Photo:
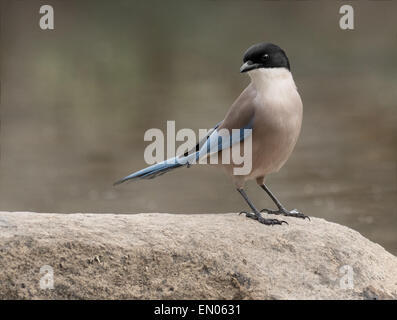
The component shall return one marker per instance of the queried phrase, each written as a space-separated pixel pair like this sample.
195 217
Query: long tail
158 169
203 148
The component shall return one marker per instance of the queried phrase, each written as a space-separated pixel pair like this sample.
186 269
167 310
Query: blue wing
217 142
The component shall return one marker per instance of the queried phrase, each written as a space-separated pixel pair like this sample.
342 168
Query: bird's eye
265 56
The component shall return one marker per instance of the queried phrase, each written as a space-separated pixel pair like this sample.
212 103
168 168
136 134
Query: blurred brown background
76 101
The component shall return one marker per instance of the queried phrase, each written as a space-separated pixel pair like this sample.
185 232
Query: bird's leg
281 210
256 214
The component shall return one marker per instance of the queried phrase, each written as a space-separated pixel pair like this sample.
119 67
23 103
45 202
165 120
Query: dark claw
251 215
293 213
269 222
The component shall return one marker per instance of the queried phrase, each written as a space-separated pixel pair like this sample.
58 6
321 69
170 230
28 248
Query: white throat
265 78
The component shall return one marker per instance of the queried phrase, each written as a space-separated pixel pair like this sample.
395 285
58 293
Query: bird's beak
249 65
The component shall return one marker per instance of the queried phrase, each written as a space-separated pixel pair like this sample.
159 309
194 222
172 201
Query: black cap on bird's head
264 55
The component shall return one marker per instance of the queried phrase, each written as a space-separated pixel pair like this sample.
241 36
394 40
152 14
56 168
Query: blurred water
76 101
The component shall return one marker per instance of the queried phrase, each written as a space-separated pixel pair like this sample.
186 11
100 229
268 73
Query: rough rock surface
208 256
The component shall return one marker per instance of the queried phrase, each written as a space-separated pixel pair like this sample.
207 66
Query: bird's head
264 55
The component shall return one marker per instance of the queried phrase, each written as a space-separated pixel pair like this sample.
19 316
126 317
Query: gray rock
207 256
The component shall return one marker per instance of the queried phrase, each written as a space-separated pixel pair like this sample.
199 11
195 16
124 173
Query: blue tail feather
211 144
156 170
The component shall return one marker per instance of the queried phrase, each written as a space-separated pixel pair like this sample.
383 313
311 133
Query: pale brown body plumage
274 104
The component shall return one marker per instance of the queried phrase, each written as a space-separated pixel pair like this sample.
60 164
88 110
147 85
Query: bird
268 112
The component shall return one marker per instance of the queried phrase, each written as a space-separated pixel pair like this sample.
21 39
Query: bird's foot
259 218
293 213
